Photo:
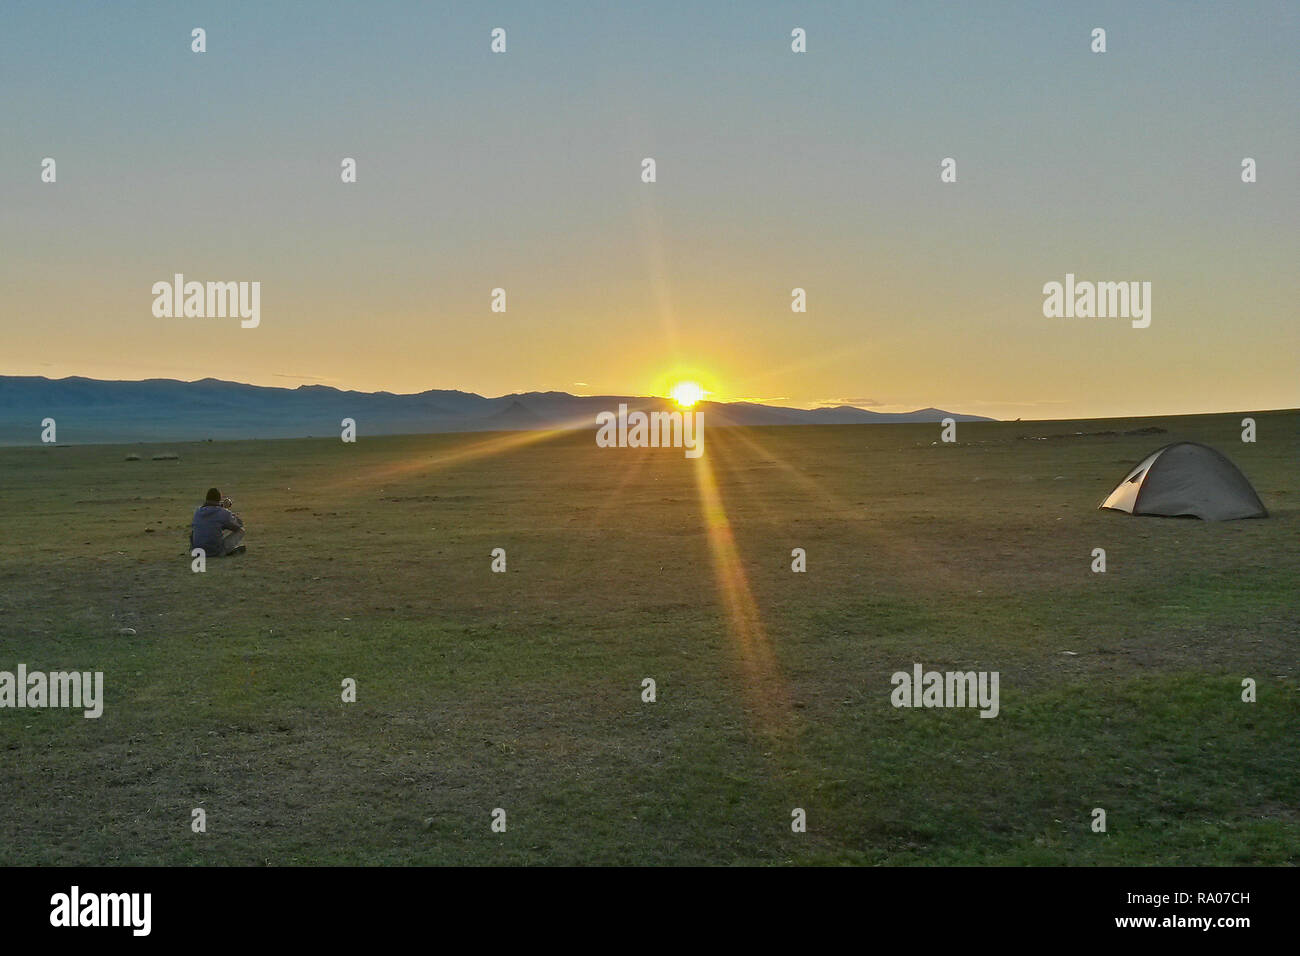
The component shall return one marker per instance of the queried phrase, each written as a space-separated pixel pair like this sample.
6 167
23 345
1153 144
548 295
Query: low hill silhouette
90 410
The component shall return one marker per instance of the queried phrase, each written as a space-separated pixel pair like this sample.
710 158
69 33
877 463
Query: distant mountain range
88 410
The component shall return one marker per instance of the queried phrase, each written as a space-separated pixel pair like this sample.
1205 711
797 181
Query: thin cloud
983 401
859 402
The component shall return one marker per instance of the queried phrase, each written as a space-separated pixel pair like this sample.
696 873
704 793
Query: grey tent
1186 478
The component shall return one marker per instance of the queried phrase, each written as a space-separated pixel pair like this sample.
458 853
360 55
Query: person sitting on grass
212 519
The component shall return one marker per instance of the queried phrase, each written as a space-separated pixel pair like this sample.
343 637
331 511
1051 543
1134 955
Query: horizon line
814 407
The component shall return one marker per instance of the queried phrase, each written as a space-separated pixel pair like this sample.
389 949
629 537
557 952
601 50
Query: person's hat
214 496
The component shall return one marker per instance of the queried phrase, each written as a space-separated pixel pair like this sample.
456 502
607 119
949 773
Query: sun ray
498 444
907 560
769 699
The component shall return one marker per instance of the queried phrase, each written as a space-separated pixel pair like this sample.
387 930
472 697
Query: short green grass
523 690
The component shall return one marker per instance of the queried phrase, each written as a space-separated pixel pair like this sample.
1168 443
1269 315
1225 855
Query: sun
686 394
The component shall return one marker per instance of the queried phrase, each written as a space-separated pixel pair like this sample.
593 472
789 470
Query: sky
775 170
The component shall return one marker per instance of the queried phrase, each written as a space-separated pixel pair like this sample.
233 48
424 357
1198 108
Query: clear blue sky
775 170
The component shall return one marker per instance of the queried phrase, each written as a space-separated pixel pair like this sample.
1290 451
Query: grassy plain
522 690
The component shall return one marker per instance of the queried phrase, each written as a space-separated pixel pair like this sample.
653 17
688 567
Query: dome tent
1186 478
